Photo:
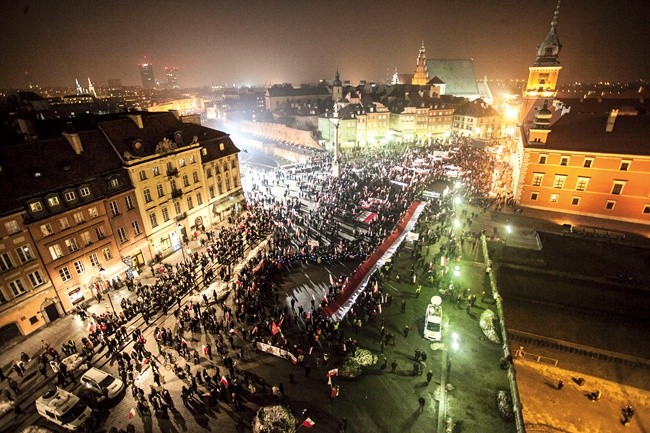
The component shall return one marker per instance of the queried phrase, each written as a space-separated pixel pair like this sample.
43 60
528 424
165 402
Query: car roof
95 374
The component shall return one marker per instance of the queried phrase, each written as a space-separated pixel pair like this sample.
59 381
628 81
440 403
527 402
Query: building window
588 162
625 165
537 179
190 205
199 199
136 228
94 261
554 198
143 175
121 234
208 173
46 229
646 209
78 217
85 238
56 252
153 220
17 287
227 184
36 279
79 267
84 192
192 160
36 206
617 188
575 201
24 254
177 208
564 160
186 180
12 227
53 201
92 212
211 189
72 245
582 183
147 195
610 204
195 177
155 170
559 181
99 231
233 163
181 162
165 214
129 202
69 196
64 273
234 182
5 262
534 195
107 253
113 183
115 210
63 223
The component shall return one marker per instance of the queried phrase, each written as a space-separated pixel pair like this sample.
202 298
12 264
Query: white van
63 408
433 320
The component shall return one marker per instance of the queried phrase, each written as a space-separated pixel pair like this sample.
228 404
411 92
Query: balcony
176 193
172 172
181 217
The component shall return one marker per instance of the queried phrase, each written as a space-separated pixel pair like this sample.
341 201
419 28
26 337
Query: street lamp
101 279
508 231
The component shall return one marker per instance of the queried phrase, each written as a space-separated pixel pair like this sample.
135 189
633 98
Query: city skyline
231 43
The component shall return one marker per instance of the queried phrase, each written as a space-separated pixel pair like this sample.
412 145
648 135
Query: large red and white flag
308 423
333 372
224 381
274 328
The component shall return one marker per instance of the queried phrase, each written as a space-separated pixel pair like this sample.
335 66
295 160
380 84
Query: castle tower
538 132
543 75
421 76
337 88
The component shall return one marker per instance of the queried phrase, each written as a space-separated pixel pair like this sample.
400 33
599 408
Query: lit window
46 229
85 238
56 252
588 162
36 279
575 201
192 159
36 206
92 212
78 217
610 204
64 273
79 267
554 198
107 253
69 196
564 160
24 253
84 192
617 188
5 262
53 201
582 183
155 170
12 227
559 181
72 245
94 261
625 165
17 287
534 196
147 195
113 183
181 162
537 179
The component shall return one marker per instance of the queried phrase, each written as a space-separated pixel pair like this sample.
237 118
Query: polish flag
224 381
131 413
333 372
308 423
274 328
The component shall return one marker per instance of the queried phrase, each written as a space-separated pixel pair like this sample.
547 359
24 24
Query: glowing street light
456 223
458 200
509 228
456 271
455 341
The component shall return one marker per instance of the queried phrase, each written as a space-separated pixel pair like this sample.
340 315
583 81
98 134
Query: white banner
277 352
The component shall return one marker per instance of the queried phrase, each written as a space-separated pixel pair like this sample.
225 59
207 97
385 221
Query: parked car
102 383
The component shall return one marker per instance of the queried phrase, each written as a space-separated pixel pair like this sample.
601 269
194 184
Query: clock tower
543 75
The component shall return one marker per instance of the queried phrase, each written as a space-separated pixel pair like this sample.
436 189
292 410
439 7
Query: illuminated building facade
421 75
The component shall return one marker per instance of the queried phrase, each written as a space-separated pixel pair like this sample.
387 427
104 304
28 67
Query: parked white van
63 408
433 320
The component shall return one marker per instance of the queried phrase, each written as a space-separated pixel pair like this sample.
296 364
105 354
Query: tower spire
421 76
549 50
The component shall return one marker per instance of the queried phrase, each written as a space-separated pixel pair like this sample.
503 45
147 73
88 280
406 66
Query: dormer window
221 146
114 183
53 201
69 196
36 206
38 174
84 191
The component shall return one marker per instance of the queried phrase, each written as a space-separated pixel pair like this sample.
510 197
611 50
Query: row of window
121 232
24 254
80 265
54 201
115 208
64 223
575 201
177 209
17 286
586 163
155 170
581 184
72 244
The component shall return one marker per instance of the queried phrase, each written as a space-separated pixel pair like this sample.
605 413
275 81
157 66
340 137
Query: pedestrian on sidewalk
429 376
403 306
422 402
406 331
418 290
560 385
393 366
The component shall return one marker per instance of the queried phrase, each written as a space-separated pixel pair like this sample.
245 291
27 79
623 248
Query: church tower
337 88
543 75
421 76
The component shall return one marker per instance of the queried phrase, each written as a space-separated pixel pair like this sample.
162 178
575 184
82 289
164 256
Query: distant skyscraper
172 77
146 73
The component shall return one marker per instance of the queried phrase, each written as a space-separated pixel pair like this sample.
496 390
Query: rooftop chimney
610 121
75 142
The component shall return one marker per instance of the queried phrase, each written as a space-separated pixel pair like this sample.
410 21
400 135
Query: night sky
258 42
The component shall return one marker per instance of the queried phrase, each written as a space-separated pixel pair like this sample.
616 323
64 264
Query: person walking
393 366
403 306
406 331
429 376
422 402
560 385
13 385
